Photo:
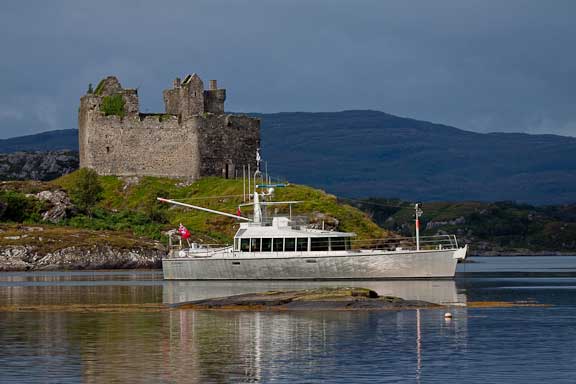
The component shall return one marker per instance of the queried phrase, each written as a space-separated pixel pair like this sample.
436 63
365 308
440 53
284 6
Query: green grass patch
50 238
17 207
99 87
132 205
113 105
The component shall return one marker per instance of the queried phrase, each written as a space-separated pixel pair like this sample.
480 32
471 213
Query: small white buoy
448 316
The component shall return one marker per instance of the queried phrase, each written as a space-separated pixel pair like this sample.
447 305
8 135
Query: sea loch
129 339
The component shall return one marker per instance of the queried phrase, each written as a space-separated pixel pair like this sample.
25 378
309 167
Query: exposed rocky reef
313 299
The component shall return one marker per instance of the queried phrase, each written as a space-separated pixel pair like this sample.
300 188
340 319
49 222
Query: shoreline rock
346 299
51 248
27 258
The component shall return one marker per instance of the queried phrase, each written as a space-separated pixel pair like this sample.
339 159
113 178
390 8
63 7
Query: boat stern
460 253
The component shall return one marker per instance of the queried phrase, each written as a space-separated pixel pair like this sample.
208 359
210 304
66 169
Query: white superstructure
278 248
282 249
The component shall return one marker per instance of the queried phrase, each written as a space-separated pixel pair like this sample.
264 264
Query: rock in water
313 299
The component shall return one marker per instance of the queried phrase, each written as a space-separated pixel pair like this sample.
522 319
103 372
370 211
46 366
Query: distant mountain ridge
371 153
60 140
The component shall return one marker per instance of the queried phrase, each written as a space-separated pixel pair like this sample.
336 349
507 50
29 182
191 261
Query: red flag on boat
183 231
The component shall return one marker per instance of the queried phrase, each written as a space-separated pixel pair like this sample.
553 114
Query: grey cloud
479 65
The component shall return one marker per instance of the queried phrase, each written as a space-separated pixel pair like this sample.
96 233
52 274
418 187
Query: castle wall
214 100
180 145
180 102
140 146
226 144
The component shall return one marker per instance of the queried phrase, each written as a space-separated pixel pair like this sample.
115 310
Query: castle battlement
191 139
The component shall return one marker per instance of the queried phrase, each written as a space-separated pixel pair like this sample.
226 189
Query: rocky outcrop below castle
24 248
37 165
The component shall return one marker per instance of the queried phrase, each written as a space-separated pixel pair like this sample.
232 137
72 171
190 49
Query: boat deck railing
295 221
427 243
437 242
196 250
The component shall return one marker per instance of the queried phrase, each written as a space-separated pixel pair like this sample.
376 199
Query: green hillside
128 205
495 228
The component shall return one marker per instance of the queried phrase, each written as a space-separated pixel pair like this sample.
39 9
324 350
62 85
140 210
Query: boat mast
418 213
257 207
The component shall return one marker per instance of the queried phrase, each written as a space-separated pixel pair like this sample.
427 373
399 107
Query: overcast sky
503 65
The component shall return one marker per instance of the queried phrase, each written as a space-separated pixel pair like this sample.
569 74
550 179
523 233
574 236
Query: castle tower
193 139
214 98
188 97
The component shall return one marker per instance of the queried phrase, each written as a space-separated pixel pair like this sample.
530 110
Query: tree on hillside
86 190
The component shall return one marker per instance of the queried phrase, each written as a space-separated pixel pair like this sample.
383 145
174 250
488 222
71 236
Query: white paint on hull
421 264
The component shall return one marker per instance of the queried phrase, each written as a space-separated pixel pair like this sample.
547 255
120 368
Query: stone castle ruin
192 139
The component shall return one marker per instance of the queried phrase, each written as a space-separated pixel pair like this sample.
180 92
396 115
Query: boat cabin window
255 245
289 244
245 245
266 245
338 244
278 245
319 244
302 244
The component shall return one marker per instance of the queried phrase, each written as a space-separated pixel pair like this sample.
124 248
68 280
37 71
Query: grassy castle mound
128 220
130 203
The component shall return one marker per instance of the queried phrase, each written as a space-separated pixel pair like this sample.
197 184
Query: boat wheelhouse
280 236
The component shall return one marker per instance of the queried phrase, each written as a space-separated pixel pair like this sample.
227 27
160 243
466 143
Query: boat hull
415 264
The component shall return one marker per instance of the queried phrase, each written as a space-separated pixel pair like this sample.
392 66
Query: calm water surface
480 345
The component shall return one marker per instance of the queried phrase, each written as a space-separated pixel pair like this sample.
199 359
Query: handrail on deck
427 243
408 243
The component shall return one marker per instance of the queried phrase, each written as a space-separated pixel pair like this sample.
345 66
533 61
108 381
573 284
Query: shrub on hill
17 207
85 190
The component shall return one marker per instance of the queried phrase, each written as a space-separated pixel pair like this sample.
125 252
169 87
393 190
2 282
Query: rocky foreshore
24 258
25 248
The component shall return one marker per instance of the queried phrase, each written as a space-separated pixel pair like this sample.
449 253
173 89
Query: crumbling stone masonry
194 138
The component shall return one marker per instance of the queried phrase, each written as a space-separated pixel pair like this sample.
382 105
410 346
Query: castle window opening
107 149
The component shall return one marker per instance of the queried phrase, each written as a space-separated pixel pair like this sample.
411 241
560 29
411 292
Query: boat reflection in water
186 346
434 291
322 346
259 341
